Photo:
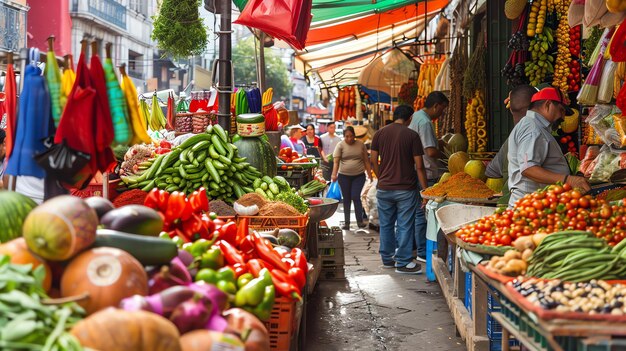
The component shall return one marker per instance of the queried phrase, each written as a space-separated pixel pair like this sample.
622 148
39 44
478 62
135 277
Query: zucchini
219 147
200 146
217 129
268 180
281 181
274 188
148 250
213 153
194 140
212 171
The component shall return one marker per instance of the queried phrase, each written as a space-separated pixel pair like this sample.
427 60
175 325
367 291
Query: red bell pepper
208 223
288 261
247 245
194 227
228 232
243 229
267 253
165 144
298 277
285 286
231 254
163 198
175 206
199 201
300 260
187 210
152 200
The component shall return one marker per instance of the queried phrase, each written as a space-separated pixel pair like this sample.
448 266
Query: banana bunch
138 123
540 64
537 17
563 56
267 96
427 77
144 111
157 118
476 124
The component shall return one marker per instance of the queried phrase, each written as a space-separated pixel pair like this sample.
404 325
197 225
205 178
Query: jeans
396 241
351 187
420 224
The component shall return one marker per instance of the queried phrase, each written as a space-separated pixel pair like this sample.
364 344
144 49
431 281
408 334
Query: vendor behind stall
517 102
535 158
312 142
292 139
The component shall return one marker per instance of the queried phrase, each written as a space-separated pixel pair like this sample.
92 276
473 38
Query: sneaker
361 225
389 265
420 259
411 268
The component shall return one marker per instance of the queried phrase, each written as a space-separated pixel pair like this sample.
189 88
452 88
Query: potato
526 254
537 238
524 242
512 254
514 267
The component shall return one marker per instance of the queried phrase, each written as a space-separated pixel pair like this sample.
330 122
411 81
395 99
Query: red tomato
505 240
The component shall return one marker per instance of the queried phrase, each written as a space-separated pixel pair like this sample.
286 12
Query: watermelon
14 208
258 152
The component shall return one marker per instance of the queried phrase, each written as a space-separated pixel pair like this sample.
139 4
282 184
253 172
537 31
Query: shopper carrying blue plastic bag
334 192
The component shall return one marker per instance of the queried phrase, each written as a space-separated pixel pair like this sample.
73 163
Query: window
139 6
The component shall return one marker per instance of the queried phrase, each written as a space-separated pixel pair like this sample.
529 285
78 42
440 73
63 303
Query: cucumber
200 146
267 179
274 188
219 165
214 155
264 186
257 182
281 181
217 129
225 160
148 250
219 147
194 140
212 171
260 192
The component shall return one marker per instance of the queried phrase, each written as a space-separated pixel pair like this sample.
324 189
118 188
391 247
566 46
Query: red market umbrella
10 102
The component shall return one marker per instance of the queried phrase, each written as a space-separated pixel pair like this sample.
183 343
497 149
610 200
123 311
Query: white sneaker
411 268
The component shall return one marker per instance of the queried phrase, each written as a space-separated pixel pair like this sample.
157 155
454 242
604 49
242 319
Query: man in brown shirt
398 171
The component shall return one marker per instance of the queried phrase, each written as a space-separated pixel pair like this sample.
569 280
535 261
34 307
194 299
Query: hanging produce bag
278 18
65 164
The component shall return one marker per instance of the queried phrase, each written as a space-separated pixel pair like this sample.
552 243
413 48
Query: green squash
14 208
258 152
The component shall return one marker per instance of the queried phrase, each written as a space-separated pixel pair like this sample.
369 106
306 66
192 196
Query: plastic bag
373 203
605 90
606 164
364 192
619 122
601 120
66 165
334 192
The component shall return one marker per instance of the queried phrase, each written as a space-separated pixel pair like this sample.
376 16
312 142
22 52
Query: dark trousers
351 187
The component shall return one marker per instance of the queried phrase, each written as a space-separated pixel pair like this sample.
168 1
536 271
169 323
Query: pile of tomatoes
555 208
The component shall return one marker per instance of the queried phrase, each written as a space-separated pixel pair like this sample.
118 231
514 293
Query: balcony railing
12 28
110 11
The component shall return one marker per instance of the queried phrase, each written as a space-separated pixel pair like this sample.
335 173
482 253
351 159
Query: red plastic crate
296 223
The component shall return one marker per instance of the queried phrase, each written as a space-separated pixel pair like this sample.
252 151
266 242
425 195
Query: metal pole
261 68
225 82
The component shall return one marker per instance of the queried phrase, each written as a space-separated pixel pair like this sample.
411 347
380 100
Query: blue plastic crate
496 344
468 292
494 329
492 303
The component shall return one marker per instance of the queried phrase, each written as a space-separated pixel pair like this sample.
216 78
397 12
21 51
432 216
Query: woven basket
514 8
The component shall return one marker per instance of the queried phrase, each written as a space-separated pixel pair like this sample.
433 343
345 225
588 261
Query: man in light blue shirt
535 158
422 122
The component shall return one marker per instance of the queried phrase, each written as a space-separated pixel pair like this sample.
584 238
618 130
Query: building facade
13 25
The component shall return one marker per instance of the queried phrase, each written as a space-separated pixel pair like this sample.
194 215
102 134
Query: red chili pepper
208 223
289 262
298 277
228 232
247 245
203 200
163 198
243 229
255 266
240 269
285 286
231 254
298 257
175 206
152 200
267 253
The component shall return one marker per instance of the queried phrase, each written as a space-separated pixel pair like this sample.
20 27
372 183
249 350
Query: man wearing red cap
535 158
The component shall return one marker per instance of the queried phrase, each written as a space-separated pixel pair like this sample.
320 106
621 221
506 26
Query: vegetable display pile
577 256
593 297
555 208
541 61
460 185
206 159
476 123
25 322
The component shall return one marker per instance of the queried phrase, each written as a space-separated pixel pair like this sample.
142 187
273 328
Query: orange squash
19 253
114 329
204 340
106 275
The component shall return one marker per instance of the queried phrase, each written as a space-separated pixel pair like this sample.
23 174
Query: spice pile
130 197
221 208
461 185
252 199
278 209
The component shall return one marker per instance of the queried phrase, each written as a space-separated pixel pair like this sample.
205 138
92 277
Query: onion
245 210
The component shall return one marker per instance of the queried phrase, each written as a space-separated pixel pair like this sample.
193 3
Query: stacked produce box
331 253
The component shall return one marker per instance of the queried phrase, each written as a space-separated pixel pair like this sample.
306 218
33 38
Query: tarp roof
348 34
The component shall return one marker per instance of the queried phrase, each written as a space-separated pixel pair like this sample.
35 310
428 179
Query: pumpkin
204 340
114 329
19 253
60 228
240 320
259 153
106 275
14 208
